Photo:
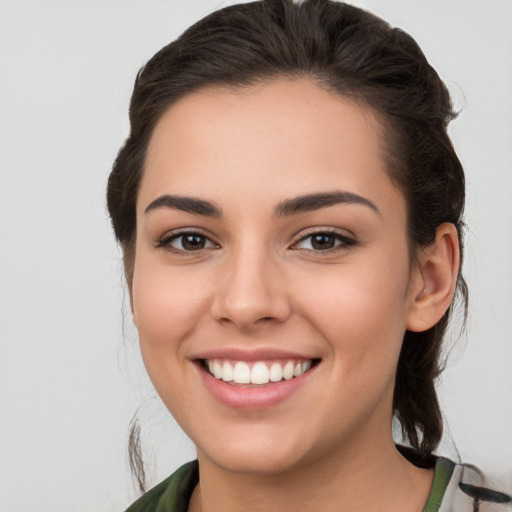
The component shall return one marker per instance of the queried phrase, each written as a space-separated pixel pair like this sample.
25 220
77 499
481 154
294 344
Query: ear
434 279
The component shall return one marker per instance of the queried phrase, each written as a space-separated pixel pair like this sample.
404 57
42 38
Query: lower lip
261 397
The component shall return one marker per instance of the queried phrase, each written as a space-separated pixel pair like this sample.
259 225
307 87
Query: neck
362 479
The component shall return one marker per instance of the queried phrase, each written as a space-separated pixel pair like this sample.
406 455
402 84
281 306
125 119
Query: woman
290 211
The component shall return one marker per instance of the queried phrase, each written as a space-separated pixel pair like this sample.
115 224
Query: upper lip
256 354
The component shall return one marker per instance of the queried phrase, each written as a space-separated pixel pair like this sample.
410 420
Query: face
271 287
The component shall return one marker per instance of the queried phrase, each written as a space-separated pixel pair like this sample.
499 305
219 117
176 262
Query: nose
252 292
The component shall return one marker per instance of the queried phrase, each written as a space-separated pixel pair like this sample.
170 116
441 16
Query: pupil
323 242
193 242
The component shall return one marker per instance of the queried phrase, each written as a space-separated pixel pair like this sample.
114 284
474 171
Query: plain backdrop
70 376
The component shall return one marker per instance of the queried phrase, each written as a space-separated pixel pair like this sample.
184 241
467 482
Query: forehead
297 136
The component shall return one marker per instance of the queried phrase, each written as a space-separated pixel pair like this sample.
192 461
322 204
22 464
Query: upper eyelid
172 235
176 233
345 240
323 230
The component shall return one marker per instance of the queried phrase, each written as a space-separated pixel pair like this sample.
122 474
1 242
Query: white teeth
261 372
305 366
217 370
242 374
227 372
288 370
276 372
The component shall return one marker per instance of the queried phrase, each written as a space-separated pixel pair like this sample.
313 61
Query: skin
260 284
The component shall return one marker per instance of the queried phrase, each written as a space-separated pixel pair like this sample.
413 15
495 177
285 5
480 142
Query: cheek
167 307
361 312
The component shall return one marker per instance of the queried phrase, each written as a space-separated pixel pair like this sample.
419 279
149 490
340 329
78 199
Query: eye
186 242
323 241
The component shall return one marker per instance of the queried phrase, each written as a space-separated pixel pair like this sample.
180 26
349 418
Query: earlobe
435 279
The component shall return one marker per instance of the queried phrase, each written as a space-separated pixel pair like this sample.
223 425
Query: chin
259 453
254 462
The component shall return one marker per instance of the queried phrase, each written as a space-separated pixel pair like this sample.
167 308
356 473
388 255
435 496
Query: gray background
68 382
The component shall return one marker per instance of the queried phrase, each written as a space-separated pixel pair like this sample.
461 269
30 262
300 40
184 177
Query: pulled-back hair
357 55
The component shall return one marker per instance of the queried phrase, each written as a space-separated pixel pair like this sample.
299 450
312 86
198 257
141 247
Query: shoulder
458 487
470 490
170 495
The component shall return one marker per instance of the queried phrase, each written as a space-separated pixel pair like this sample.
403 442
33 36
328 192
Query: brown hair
355 54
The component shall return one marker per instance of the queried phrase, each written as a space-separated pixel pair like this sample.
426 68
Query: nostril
264 320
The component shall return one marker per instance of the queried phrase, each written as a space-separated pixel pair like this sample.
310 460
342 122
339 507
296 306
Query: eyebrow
317 201
186 204
288 207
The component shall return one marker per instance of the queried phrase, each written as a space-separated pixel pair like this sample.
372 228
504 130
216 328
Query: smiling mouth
257 373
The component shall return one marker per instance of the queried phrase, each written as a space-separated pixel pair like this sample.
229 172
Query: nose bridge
250 290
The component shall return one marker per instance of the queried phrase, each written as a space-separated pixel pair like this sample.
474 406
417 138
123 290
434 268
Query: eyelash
166 240
344 241
341 241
